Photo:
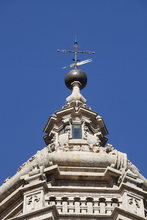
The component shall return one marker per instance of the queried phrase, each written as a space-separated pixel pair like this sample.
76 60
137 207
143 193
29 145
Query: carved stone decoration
133 203
33 201
76 97
84 205
92 140
63 139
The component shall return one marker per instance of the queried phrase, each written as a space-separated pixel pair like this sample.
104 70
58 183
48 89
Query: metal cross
76 51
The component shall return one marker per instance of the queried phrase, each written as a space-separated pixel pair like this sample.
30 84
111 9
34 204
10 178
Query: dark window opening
76 131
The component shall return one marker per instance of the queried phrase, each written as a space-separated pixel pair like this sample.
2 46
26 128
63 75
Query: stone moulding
46 159
82 159
94 205
47 213
51 213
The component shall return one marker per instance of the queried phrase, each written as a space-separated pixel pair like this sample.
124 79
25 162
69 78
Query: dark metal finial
76 51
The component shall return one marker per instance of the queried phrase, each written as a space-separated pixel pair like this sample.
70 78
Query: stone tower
77 175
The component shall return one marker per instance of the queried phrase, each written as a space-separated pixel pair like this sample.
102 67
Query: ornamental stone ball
76 75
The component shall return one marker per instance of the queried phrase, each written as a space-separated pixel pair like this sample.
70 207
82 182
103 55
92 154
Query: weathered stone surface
75 178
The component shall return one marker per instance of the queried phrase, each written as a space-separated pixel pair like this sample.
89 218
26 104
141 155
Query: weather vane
76 60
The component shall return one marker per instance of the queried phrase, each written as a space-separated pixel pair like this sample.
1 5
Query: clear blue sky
32 81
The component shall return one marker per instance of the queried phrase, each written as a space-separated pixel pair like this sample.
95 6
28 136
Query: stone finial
76 96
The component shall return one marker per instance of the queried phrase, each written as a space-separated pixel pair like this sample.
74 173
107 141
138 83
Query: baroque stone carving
32 201
134 204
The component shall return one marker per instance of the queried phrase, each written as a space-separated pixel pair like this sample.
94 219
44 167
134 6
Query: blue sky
32 81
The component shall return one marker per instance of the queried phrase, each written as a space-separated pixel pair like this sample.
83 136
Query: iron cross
76 51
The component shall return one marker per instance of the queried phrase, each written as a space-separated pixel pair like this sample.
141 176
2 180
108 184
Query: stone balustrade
87 205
